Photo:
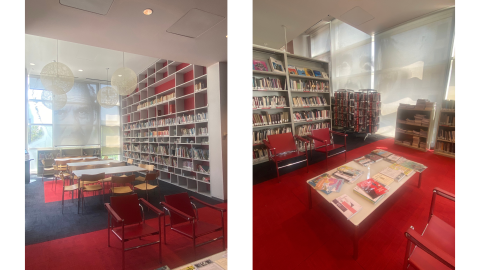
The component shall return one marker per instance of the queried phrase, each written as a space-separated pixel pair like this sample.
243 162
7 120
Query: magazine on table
347 206
381 152
348 173
362 193
405 170
373 157
383 179
329 184
364 161
413 165
372 188
392 158
317 179
392 173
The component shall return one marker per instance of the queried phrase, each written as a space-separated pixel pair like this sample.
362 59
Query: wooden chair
48 167
151 176
60 167
322 141
70 188
90 183
184 218
149 168
121 190
435 247
282 147
126 223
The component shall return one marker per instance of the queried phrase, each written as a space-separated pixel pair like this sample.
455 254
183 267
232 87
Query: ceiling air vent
95 6
194 23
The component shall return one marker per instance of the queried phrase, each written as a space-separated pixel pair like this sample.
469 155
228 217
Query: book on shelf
265 118
301 71
325 75
445 147
292 70
309 72
347 173
448 105
260 65
269 102
308 86
392 173
347 206
317 74
364 161
276 65
267 84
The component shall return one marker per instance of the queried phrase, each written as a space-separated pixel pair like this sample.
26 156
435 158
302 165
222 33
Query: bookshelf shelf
446 129
188 83
415 114
295 127
413 147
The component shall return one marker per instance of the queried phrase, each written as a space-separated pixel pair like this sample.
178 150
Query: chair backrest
127 207
117 164
123 179
151 176
180 201
282 142
150 168
92 177
47 163
62 162
142 165
130 161
105 157
323 134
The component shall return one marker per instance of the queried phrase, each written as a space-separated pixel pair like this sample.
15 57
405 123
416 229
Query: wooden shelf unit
451 113
263 54
57 152
403 114
143 113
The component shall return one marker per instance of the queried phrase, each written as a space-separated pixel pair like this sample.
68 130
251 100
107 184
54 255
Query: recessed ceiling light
226 36
120 75
147 11
32 64
80 70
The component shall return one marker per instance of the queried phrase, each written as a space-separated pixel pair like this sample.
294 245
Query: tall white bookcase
263 54
161 124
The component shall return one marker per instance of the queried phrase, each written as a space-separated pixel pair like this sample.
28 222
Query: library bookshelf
50 154
165 122
445 126
409 127
290 93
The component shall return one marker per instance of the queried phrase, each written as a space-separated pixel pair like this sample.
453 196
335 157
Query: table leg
309 191
78 198
355 242
419 179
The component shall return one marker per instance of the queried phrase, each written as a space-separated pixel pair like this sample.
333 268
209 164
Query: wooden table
215 257
360 221
107 170
80 158
88 163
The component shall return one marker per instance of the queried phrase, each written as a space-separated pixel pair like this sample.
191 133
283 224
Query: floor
287 235
56 241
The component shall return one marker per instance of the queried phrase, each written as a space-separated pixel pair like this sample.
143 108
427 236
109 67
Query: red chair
127 222
184 218
323 142
282 147
435 247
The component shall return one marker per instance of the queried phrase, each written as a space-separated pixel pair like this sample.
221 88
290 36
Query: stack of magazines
371 190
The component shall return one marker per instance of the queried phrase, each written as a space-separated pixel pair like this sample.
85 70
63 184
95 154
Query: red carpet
52 195
90 251
287 235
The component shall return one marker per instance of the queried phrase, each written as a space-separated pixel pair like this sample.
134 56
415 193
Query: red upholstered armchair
126 222
282 147
323 142
435 247
184 218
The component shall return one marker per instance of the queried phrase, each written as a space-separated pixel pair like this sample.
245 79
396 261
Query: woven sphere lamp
58 102
107 97
124 81
57 77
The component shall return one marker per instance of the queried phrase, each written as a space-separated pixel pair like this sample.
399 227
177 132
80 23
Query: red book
372 188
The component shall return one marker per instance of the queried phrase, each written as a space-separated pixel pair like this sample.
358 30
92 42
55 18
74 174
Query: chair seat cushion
140 178
329 148
135 231
288 156
121 190
145 186
441 235
201 228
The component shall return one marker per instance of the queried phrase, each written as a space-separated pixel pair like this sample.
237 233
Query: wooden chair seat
140 178
121 190
71 188
91 188
49 169
89 182
145 187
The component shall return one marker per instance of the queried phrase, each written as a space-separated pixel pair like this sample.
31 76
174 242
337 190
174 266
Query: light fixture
57 77
32 64
124 80
148 11
107 97
226 36
80 70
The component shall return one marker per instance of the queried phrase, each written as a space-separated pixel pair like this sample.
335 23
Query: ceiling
126 28
92 60
298 16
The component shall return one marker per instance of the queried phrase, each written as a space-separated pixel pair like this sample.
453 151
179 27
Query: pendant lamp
107 97
124 80
57 77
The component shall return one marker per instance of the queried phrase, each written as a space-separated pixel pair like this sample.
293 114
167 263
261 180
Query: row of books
305 116
412 142
259 153
269 101
447 120
445 147
187 165
275 65
202 131
448 135
267 84
304 130
200 85
448 104
166 122
419 132
157 100
187 132
259 136
309 101
203 168
422 104
293 70
265 118
309 86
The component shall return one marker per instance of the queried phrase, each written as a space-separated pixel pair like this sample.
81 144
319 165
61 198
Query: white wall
217 128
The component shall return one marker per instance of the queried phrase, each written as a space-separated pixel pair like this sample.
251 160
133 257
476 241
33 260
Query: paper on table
222 262
207 265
